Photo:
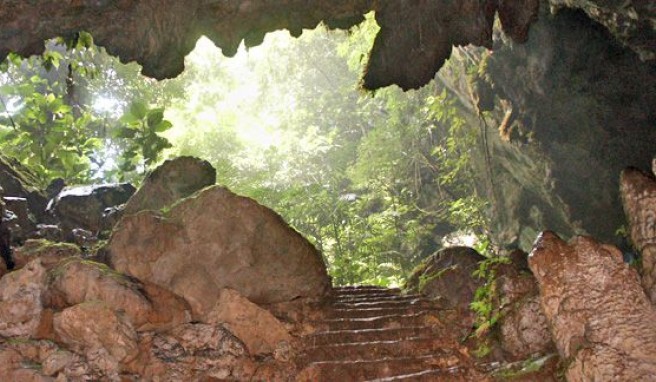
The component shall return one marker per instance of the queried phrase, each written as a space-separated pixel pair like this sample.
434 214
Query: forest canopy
377 181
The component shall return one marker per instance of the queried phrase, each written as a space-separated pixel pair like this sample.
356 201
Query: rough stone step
368 288
364 292
411 347
384 304
363 335
374 312
388 321
373 298
380 368
451 374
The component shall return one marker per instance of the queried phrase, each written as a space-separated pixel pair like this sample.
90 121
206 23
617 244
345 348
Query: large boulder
49 253
523 327
18 181
148 307
638 191
105 337
447 275
194 352
258 329
601 320
173 180
217 240
21 307
83 206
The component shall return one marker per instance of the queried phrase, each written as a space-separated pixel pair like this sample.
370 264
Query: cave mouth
371 179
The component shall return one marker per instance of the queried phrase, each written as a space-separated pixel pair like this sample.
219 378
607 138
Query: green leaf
155 116
163 126
125 132
138 109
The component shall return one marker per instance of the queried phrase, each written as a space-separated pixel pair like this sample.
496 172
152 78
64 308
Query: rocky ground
183 280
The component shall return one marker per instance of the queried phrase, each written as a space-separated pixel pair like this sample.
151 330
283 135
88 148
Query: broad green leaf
138 109
155 116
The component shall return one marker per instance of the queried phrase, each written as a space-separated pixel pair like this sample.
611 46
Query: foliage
140 127
371 179
484 304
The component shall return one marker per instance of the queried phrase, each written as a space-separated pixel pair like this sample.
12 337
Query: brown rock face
149 307
214 240
448 275
193 352
20 301
600 317
49 253
260 331
106 338
173 180
638 191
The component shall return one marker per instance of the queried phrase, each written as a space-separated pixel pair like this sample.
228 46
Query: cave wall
570 109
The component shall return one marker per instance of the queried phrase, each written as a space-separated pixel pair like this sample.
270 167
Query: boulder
173 180
523 328
102 335
258 329
49 253
22 225
5 241
83 206
217 240
602 321
193 352
447 275
148 307
21 309
638 190
18 181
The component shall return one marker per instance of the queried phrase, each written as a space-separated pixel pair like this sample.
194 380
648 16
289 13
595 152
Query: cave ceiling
415 38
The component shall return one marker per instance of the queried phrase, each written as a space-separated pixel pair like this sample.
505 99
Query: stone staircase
368 333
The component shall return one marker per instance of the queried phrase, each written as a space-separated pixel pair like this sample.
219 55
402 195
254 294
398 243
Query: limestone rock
20 300
447 275
49 253
638 190
258 329
173 180
23 225
148 307
601 320
18 181
193 352
214 240
523 328
83 206
105 337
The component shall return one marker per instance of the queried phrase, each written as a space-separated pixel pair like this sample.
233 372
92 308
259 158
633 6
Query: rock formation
600 318
638 191
216 239
447 275
175 179
83 206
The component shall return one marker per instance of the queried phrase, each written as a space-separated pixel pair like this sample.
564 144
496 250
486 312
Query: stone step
452 374
378 368
363 335
364 288
373 312
373 298
383 304
387 321
410 347
365 292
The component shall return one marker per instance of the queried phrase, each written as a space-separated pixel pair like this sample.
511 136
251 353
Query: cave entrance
376 180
